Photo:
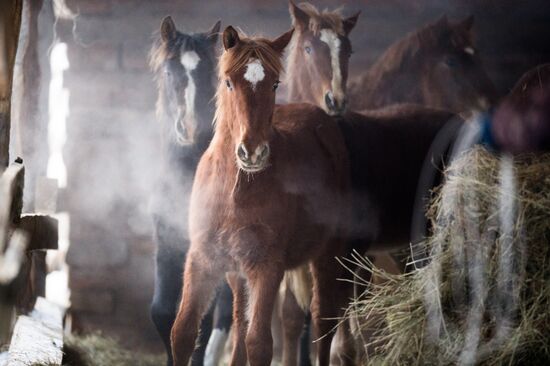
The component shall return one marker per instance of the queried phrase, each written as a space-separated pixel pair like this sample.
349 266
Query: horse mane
237 57
407 48
323 19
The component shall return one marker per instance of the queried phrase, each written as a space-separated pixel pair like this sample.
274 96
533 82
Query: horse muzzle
334 107
253 162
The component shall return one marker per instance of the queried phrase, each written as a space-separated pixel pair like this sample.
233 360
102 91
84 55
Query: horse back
304 127
388 148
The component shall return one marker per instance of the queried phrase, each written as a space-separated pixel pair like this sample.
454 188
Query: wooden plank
12 243
11 202
4 359
42 230
10 25
38 338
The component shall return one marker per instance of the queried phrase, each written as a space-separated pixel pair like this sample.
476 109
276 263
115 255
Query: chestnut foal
270 194
318 57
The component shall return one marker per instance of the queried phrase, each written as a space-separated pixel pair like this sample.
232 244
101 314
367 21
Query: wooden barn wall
111 155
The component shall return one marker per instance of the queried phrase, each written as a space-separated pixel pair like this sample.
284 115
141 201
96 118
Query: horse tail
300 283
439 155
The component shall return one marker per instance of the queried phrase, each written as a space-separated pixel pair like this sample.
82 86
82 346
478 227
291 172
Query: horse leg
329 296
168 282
293 323
201 281
305 342
240 323
264 280
343 347
222 325
199 354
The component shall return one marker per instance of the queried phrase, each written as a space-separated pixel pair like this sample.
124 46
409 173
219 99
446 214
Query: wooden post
10 24
29 117
12 243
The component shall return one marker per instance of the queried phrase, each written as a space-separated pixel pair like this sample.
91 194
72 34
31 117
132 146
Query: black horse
184 67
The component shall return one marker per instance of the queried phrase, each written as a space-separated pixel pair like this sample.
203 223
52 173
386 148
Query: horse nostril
329 100
242 153
264 152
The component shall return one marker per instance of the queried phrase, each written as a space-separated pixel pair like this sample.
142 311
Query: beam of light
57 281
58 113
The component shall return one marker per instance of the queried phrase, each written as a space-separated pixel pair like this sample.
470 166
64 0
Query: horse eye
276 85
228 84
308 49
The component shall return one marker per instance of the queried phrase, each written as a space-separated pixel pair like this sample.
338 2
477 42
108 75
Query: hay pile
484 296
96 349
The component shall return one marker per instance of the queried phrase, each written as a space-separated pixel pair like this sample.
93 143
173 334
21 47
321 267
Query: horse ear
230 38
281 42
350 22
467 23
168 30
212 34
300 19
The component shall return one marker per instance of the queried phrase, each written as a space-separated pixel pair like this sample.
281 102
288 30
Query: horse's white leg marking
215 347
331 39
254 72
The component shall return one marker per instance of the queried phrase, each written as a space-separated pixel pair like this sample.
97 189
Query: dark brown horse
437 66
318 58
522 121
184 68
270 194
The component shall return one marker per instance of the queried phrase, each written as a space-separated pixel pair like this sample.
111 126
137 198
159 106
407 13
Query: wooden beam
42 231
38 338
29 118
10 25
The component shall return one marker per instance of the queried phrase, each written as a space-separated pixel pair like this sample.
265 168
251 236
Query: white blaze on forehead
254 72
189 60
469 50
329 37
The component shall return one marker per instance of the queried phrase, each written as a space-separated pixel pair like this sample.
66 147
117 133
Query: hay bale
95 349
484 297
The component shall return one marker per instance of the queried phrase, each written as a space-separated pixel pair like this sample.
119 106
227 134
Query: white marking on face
329 37
469 50
190 60
254 72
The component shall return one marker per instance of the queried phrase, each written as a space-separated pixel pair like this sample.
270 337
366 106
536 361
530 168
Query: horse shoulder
206 197
306 122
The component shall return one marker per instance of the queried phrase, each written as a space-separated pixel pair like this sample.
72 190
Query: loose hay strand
489 248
